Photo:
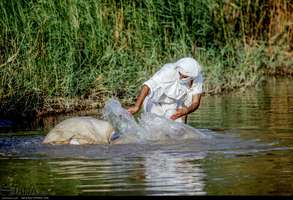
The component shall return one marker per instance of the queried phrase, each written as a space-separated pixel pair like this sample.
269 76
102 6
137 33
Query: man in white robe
173 92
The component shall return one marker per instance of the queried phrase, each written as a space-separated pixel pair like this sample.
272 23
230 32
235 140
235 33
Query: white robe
167 94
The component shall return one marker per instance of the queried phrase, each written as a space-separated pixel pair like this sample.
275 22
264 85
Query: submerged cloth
168 92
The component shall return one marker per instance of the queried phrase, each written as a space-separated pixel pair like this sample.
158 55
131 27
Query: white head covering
167 80
188 67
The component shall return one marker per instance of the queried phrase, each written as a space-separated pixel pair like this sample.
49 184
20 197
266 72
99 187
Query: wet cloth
167 92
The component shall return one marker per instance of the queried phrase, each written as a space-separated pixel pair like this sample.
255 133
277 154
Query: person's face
183 77
186 80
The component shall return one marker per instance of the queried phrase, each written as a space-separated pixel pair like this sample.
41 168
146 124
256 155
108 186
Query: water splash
149 127
123 122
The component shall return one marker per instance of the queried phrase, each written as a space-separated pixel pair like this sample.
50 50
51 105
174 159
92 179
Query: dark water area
251 153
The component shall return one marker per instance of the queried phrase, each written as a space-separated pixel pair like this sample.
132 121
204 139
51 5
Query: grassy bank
61 56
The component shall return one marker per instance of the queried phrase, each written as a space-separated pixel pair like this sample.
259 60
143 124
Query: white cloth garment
189 67
167 92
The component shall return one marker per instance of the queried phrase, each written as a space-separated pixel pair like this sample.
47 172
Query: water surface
252 154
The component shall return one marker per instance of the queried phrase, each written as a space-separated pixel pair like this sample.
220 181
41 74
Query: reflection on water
269 107
182 176
143 176
251 153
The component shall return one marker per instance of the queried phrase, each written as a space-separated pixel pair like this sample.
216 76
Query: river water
251 155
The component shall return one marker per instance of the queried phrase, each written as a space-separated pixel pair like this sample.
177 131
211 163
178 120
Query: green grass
61 54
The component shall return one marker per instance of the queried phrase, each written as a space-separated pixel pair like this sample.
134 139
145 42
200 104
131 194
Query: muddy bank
280 71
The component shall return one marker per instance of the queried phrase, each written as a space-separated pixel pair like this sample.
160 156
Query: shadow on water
250 154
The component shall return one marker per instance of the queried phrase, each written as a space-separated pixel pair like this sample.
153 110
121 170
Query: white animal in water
80 130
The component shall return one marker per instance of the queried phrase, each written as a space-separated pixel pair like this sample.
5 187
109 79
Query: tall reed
93 49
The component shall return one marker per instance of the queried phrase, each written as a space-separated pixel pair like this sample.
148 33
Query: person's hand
133 109
179 113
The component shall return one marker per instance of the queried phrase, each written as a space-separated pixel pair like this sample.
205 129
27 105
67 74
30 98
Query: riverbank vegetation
62 56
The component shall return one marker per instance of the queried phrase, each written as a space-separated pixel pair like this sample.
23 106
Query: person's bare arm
186 110
143 93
